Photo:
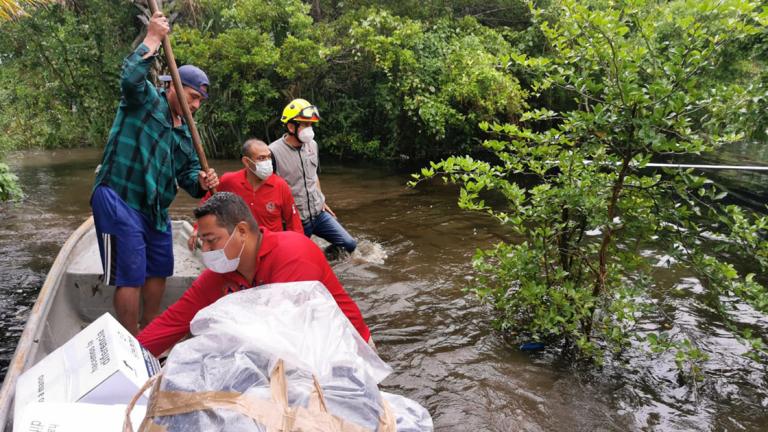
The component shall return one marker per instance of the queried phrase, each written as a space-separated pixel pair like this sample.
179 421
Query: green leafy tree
637 72
62 66
495 13
386 86
9 188
253 51
420 87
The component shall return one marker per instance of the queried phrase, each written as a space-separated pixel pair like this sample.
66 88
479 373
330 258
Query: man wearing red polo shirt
267 195
240 255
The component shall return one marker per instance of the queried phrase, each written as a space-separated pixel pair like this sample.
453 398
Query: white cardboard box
75 417
103 364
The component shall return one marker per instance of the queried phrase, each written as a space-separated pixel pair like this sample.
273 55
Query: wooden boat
73 296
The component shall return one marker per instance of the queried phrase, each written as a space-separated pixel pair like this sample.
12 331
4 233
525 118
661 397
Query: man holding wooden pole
150 151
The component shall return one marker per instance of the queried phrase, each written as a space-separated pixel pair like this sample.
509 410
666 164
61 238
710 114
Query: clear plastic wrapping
299 322
411 417
240 339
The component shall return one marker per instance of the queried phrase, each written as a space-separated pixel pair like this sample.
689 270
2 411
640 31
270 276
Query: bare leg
152 294
126 303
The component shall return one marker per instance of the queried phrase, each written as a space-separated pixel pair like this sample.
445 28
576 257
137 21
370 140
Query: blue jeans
328 228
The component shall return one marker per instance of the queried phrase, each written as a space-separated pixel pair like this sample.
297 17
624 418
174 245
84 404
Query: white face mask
306 135
217 260
263 169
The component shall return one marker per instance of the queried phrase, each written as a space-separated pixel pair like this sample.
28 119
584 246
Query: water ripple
408 279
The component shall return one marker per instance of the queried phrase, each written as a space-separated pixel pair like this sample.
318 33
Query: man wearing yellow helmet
296 160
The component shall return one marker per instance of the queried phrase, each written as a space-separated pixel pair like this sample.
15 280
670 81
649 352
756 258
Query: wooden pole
179 87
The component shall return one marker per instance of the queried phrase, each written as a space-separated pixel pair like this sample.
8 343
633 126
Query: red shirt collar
270 181
268 242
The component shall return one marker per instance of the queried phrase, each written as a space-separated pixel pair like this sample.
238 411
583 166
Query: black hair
229 210
250 142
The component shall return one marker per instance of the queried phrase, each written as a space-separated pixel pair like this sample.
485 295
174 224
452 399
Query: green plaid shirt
146 159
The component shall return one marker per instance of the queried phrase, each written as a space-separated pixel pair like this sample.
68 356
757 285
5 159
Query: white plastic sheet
299 322
411 417
239 339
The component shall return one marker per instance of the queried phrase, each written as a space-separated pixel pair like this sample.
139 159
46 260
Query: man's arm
134 85
346 304
157 29
189 174
173 324
192 240
309 265
290 214
325 203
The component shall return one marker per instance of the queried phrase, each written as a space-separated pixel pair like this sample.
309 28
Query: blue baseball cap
193 77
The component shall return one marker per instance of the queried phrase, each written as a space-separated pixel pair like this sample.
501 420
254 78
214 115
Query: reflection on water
749 187
408 278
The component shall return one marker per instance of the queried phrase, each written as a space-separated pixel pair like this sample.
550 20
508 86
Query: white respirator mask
217 260
306 135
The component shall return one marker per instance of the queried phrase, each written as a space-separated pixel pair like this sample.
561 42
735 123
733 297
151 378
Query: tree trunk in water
606 243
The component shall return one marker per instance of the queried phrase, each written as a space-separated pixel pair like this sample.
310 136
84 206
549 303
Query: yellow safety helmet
300 110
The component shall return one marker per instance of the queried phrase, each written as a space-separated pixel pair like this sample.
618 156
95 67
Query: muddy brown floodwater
408 279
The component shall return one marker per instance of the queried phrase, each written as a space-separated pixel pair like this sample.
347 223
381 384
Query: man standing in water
296 160
149 153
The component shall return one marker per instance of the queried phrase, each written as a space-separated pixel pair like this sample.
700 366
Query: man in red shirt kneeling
240 255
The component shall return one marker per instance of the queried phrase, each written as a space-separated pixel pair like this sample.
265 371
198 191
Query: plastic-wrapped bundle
207 365
299 322
410 416
227 376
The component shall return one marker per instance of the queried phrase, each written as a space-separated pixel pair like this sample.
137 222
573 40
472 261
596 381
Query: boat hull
73 295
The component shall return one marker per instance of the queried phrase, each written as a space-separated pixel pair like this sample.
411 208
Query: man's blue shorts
131 248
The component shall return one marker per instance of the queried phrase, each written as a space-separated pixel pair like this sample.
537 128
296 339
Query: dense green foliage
9 189
429 84
60 68
392 80
647 82
388 86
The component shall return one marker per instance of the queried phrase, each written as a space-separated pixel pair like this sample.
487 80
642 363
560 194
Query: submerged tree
640 76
